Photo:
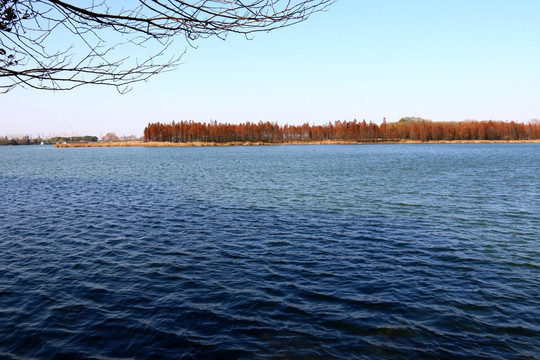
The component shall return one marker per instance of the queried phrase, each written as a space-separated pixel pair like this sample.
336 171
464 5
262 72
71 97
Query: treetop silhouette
60 45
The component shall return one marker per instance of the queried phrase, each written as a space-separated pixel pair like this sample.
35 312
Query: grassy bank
200 143
238 143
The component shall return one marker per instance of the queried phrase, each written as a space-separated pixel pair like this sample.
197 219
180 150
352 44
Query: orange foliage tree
409 128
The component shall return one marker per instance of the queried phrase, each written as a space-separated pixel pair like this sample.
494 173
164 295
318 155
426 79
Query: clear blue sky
441 60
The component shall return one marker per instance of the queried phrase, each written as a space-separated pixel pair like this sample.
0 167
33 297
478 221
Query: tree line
23 140
408 128
26 140
86 138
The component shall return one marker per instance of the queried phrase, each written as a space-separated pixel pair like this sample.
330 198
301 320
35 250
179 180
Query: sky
439 60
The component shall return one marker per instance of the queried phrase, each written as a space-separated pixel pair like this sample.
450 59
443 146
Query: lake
308 252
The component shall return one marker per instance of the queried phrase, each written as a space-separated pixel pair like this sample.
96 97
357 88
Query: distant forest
409 128
26 140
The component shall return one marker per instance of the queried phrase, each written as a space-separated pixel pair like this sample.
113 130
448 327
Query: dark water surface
309 252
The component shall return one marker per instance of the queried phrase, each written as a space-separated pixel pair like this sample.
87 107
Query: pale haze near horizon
444 61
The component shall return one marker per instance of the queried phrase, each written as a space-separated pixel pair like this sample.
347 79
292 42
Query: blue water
293 252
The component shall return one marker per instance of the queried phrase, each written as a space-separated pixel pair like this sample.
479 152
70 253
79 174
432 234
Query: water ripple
116 267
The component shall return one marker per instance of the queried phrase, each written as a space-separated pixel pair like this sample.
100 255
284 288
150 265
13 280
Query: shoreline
308 142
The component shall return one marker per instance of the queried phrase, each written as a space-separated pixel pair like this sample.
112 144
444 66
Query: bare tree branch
60 45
